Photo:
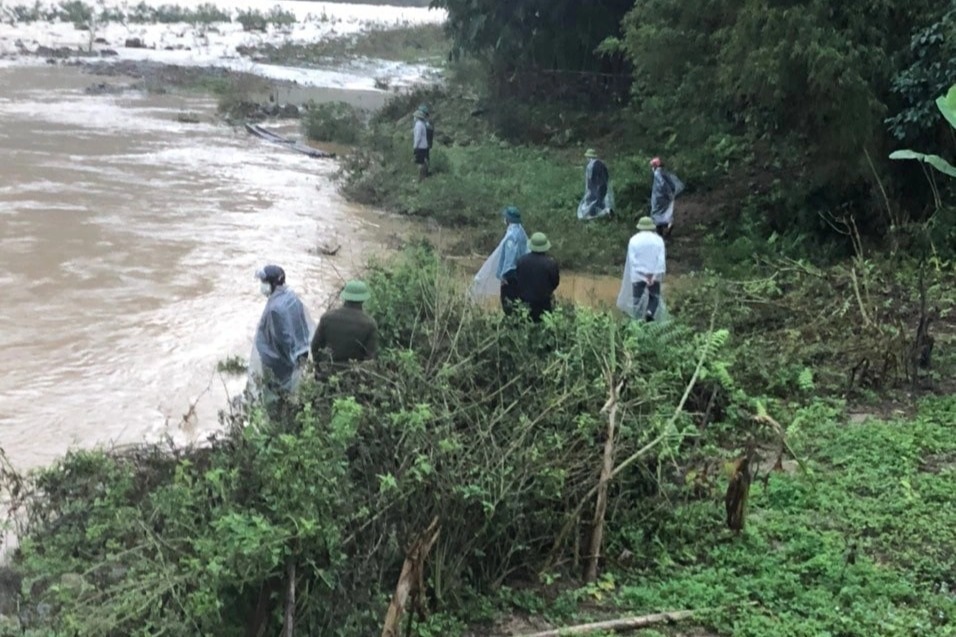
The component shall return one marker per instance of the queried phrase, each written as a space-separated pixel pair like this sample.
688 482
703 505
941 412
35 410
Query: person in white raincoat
598 199
640 294
499 275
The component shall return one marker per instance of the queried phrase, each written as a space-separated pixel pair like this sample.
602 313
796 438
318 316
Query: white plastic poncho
504 259
598 199
646 255
283 336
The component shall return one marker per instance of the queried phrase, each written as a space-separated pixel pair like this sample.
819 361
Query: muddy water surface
128 243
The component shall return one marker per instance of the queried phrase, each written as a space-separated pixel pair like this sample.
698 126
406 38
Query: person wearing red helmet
664 190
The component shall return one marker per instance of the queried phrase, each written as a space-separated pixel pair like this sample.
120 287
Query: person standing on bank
282 336
347 333
665 188
538 276
421 142
497 277
643 273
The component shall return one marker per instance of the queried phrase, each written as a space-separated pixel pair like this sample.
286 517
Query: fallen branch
637 455
288 627
618 625
411 580
859 299
597 527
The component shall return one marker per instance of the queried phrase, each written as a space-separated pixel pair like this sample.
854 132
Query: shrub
489 424
279 17
333 122
252 20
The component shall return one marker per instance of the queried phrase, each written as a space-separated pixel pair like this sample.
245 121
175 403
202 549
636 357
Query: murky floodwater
128 243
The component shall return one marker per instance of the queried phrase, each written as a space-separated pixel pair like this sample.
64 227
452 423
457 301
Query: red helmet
656 162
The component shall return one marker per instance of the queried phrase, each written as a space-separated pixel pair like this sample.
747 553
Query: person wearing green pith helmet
347 333
598 199
538 277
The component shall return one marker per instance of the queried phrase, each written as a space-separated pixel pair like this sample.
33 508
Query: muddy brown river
128 243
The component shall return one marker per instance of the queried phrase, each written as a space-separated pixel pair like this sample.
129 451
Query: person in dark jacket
347 333
538 277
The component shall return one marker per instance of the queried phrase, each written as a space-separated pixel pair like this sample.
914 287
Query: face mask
266 288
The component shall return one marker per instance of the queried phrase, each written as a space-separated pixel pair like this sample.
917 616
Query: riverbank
498 430
197 539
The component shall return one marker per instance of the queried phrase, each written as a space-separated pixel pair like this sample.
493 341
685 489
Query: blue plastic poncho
514 245
503 260
598 197
283 337
664 189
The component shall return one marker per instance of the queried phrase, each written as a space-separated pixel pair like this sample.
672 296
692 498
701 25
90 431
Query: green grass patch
478 171
864 544
861 543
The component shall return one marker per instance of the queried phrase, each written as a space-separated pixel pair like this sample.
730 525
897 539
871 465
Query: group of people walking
520 270
285 337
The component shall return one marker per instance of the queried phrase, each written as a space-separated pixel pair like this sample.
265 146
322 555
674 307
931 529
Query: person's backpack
429 133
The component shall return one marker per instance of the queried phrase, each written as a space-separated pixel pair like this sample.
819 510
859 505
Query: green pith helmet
646 223
590 153
355 291
539 242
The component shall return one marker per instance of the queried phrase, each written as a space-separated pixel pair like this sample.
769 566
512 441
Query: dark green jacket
348 333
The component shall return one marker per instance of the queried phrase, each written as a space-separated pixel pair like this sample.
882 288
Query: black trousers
509 292
537 308
653 296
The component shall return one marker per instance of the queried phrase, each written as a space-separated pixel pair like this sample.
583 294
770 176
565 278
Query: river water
128 243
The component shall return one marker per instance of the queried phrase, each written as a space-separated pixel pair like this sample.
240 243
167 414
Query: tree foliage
932 57
551 34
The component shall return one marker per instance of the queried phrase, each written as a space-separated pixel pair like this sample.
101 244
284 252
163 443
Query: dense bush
333 122
493 426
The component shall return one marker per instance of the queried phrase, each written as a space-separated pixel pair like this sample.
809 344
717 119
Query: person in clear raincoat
640 294
499 275
282 338
598 199
665 188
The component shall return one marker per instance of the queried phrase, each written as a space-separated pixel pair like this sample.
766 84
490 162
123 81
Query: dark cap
272 274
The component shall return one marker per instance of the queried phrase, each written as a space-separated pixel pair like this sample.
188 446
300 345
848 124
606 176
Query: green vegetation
450 423
82 14
234 366
495 427
333 122
477 172
420 44
816 281
254 20
783 143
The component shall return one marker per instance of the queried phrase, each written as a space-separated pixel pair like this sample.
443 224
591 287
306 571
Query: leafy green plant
947 106
333 122
452 422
